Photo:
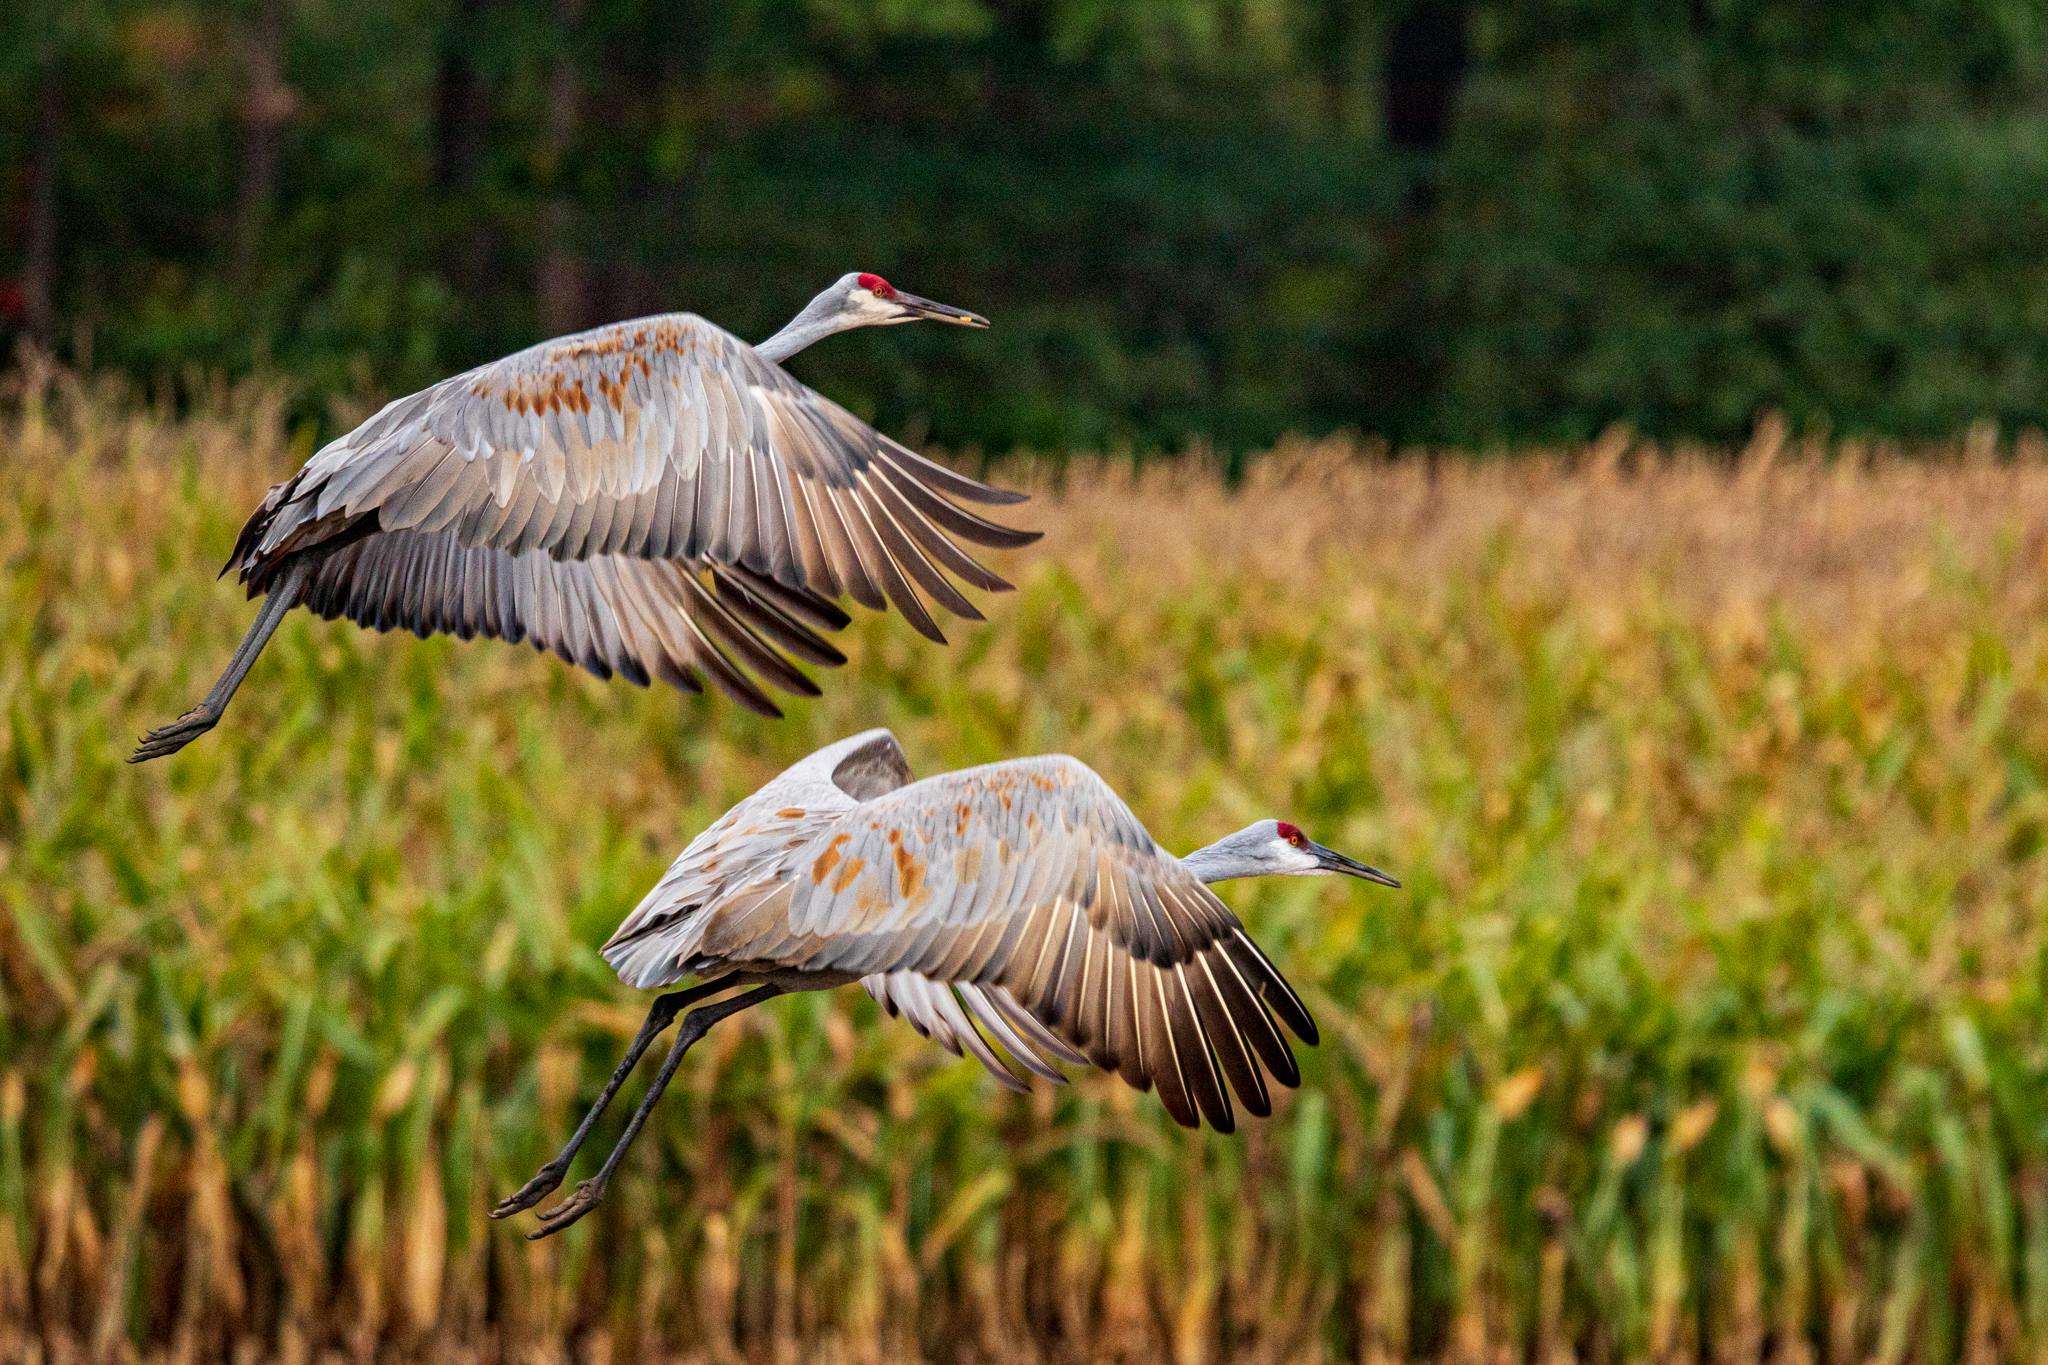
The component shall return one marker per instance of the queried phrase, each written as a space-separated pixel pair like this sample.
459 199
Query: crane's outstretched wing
1025 894
664 439
638 618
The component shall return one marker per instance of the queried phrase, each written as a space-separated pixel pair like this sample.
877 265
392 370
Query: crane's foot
533 1191
168 739
581 1201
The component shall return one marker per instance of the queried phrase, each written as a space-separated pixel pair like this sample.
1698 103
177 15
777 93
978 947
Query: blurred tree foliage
1220 219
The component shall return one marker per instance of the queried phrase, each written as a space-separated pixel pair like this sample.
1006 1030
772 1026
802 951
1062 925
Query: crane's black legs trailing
587 1193
660 1017
282 597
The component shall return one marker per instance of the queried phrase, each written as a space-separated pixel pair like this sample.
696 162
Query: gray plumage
653 499
1018 906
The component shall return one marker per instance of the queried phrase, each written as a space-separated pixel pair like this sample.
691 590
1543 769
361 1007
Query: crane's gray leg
281 598
660 1017
695 1024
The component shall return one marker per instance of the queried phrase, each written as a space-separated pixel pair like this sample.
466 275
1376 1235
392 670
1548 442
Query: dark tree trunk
39 269
461 107
462 131
561 272
1427 57
267 104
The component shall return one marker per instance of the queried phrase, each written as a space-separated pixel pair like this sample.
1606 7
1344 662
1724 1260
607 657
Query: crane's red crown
1291 834
877 286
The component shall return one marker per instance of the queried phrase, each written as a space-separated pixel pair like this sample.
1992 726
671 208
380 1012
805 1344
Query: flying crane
580 493
1020 902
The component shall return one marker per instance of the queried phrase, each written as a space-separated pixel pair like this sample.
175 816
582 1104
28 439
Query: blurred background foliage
1208 221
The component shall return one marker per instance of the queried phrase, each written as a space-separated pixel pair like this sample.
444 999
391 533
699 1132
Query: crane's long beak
1332 861
924 309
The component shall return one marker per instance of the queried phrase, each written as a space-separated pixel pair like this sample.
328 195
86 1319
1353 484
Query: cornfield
1709 1028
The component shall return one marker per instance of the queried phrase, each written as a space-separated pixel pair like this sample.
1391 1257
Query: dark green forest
1191 220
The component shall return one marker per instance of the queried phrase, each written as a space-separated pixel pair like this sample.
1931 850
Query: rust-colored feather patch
826 861
909 871
966 864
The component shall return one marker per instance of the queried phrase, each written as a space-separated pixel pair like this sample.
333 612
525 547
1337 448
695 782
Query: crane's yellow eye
1293 835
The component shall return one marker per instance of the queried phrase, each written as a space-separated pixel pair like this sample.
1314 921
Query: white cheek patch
1294 862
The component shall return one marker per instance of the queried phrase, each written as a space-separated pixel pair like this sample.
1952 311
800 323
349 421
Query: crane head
1274 848
872 301
859 299
1304 857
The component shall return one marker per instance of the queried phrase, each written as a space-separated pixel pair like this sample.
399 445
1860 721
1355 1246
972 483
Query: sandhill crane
1023 897
578 494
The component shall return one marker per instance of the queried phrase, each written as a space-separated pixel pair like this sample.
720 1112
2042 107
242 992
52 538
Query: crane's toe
168 739
533 1191
581 1200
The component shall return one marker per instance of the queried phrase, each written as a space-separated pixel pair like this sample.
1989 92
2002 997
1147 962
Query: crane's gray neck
821 317
1254 851
1220 863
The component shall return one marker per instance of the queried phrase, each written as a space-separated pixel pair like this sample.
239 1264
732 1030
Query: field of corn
1710 1028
